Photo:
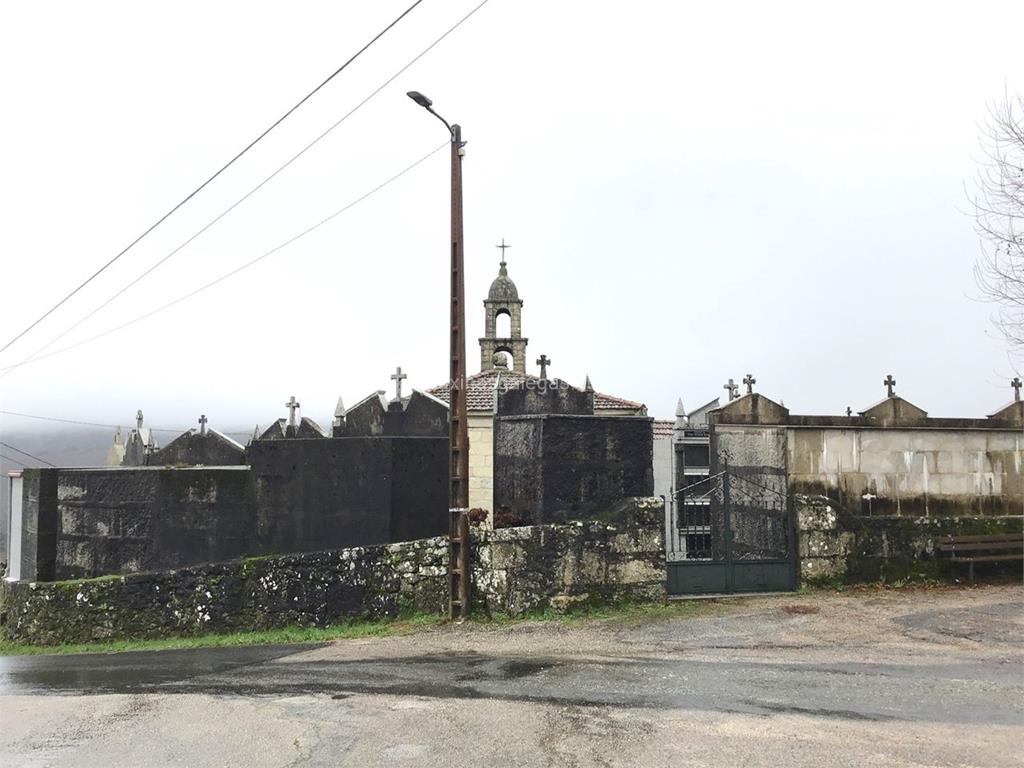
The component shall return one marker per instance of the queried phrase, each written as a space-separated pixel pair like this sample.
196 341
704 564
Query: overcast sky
692 191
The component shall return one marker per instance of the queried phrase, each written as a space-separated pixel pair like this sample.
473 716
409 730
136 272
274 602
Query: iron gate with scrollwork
730 532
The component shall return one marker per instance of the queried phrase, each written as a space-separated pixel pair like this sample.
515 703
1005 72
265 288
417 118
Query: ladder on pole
458 564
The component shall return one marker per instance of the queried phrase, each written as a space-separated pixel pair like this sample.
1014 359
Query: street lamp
458 434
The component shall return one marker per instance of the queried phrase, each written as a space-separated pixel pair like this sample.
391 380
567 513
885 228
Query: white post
14 527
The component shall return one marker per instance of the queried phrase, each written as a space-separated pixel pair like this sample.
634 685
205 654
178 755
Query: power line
7 370
223 168
25 453
238 269
97 424
83 423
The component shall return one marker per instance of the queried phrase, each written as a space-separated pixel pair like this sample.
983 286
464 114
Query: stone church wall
481 462
515 570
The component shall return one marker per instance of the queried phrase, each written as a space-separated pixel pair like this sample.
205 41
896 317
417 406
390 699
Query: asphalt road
929 678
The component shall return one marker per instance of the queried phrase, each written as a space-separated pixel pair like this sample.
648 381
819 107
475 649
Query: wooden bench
982 548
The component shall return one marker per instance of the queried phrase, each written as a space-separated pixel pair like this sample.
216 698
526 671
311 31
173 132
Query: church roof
480 392
503 289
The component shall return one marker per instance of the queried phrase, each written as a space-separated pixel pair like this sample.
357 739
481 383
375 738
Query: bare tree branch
999 217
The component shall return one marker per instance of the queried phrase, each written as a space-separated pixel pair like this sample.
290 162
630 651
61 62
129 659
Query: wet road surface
946 693
905 681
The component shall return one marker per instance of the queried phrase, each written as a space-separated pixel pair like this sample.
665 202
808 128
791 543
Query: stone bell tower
503 299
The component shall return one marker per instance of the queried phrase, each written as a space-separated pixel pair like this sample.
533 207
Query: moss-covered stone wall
515 570
837 545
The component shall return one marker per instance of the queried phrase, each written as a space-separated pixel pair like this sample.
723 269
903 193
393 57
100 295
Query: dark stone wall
192 448
419 415
40 523
544 396
419 488
125 520
365 419
316 494
299 495
554 468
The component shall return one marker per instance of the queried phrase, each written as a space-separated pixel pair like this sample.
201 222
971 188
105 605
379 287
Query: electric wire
35 355
223 168
78 422
238 269
26 453
12 460
82 423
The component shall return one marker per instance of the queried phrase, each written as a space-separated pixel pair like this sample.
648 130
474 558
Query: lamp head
420 99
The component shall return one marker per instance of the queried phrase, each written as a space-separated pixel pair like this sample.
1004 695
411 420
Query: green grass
286 635
575 617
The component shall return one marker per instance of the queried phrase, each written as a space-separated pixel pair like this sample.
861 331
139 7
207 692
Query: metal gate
731 532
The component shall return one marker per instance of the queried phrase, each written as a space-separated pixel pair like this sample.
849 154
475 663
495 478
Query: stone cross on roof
138 419
890 384
503 246
750 381
202 424
397 377
733 388
1015 383
543 361
292 405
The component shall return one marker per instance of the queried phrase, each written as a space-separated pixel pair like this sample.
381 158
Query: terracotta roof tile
663 428
480 392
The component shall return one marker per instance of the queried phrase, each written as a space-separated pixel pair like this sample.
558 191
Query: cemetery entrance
731 532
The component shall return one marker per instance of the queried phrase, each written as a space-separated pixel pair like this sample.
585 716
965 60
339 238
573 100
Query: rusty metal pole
458 429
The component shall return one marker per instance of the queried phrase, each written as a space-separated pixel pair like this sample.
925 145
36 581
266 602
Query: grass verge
284 636
574 616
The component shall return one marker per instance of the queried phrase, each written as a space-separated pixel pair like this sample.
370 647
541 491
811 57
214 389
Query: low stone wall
837 545
314 589
514 570
537 566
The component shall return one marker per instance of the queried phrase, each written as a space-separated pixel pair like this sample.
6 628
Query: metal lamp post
458 434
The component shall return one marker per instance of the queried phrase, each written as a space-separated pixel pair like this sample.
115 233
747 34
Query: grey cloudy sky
692 191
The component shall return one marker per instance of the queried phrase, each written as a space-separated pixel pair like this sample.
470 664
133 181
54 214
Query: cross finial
543 361
890 385
292 405
503 246
733 388
750 381
397 377
202 424
138 419
1015 383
